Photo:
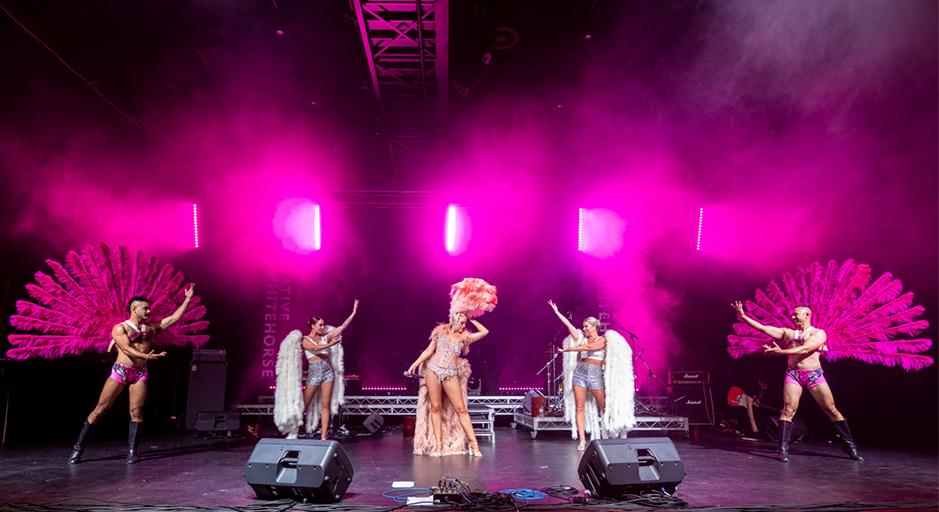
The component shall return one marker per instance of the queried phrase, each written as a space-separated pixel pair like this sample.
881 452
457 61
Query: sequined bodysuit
445 362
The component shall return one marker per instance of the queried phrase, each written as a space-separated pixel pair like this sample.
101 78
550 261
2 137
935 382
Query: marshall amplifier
206 391
694 401
688 377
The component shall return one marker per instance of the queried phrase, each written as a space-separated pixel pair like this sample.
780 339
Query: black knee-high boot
79 446
785 433
133 440
847 440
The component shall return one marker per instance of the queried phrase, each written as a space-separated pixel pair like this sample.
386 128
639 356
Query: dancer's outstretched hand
191 290
553 305
738 307
774 348
155 355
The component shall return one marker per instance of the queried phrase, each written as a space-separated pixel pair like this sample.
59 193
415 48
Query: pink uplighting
521 388
195 225
697 246
384 388
297 223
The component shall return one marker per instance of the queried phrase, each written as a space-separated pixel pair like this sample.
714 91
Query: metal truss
406 46
398 199
397 405
483 411
660 423
643 423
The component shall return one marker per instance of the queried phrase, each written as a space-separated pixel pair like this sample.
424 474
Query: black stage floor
722 471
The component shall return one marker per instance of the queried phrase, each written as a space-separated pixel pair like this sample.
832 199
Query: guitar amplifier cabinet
688 377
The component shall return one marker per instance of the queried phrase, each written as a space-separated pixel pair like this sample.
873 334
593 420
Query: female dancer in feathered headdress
444 372
603 367
324 388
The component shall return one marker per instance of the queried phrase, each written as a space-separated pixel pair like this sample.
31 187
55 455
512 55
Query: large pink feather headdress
75 308
864 320
472 297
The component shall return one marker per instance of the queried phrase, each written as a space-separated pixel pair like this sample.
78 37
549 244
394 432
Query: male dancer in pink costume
133 339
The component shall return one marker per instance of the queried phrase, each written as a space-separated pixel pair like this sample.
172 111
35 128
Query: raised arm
480 333
119 335
777 333
564 320
425 355
815 342
172 319
338 330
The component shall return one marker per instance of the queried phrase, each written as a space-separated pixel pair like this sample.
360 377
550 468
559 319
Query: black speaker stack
690 393
206 385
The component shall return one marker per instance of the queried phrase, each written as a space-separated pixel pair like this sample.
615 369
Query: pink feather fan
74 309
871 321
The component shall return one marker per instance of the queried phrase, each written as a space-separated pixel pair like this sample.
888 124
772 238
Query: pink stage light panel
317 228
600 232
298 224
195 225
521 388
451 229
456 233
697 246
580 229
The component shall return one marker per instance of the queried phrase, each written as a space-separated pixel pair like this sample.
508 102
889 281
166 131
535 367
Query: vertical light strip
700 228
580 229
450 240
195 225
317 228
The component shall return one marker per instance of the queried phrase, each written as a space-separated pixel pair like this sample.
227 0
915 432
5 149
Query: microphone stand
555 401
552 391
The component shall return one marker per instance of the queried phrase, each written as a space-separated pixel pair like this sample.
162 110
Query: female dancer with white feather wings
603 366
324 386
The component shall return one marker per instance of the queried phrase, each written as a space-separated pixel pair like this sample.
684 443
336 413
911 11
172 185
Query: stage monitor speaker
218 421
299 469
613 468
693 401
206 384
373 423
474 386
